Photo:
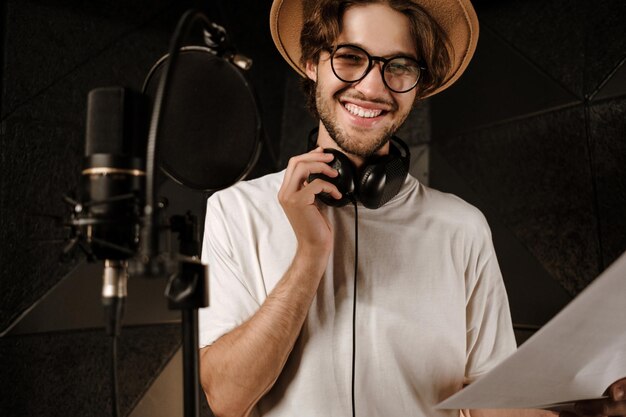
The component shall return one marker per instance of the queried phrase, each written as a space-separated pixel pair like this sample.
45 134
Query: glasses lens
401 74
349 63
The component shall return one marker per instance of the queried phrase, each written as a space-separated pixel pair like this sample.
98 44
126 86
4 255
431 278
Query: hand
297 198
615 405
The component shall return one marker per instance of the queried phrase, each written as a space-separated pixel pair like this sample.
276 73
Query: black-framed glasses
351 63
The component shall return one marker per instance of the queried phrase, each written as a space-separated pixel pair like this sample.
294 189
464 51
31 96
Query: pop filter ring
150 246
243 85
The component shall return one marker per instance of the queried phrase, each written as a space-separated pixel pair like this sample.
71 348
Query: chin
358 148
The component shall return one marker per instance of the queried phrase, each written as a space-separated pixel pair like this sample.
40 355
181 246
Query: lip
368 105
364 122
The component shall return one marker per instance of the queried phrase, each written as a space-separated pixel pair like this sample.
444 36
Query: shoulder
452 210
245 195
245 210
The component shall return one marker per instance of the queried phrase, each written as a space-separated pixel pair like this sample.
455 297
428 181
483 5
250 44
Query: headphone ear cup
371 184
381 180
344 181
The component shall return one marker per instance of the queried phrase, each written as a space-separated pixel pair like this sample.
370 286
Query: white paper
576 356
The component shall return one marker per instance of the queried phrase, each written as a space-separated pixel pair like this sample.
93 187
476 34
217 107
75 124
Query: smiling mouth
362 112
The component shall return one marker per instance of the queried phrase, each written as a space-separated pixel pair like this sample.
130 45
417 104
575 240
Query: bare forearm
242 365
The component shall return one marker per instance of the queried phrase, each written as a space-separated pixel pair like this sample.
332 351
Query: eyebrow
390 55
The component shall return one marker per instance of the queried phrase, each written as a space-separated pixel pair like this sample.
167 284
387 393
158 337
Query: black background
534 134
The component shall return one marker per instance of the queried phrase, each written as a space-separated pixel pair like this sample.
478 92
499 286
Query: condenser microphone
113 182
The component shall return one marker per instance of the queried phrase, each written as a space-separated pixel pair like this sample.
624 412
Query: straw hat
456 17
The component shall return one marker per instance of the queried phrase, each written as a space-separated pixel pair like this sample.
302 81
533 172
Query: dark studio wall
533 134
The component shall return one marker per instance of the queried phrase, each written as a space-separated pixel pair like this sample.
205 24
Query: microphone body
113 184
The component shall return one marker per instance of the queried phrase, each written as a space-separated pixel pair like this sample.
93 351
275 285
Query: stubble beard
351 144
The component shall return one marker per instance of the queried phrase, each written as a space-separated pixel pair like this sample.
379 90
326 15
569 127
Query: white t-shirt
432 312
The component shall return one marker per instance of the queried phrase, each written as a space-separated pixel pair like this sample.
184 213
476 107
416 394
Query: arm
241 366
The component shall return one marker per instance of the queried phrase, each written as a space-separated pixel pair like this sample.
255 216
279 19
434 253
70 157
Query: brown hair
323 24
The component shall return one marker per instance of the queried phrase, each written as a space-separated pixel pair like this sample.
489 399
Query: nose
372 85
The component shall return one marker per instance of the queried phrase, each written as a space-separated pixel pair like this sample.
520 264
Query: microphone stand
187 291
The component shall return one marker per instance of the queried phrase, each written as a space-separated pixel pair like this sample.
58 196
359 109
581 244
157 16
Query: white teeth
361 112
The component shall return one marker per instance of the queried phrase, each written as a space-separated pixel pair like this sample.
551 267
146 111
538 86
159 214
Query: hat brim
456 17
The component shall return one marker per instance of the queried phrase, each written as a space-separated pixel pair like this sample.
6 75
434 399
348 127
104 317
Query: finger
617 389
312 156
318 186
615 408
604 407
305 170
306 196
589 408
302 171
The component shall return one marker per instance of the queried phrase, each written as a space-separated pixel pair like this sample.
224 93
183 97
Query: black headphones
377 182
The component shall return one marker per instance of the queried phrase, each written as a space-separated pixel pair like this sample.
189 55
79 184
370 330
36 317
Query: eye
402 67
349 58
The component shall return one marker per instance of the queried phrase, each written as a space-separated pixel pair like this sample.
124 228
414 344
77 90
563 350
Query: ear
311 70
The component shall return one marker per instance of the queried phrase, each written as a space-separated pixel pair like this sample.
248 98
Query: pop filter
210 131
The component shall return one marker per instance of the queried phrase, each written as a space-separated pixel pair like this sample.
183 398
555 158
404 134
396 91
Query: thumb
616 390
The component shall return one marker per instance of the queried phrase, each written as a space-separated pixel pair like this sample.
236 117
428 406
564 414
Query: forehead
378 28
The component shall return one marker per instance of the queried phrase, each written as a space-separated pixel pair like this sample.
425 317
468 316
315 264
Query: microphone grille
117 122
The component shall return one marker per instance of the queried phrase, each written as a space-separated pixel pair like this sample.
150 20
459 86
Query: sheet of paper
575 356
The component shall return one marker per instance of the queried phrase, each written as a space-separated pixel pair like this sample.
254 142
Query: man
292 329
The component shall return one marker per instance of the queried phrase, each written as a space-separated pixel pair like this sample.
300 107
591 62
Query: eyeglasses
351 63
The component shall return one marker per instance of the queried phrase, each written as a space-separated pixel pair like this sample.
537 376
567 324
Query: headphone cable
356 263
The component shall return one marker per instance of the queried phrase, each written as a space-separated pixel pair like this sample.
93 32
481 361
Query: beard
356 144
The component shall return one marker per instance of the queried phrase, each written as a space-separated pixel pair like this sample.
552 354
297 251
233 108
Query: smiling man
306 319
